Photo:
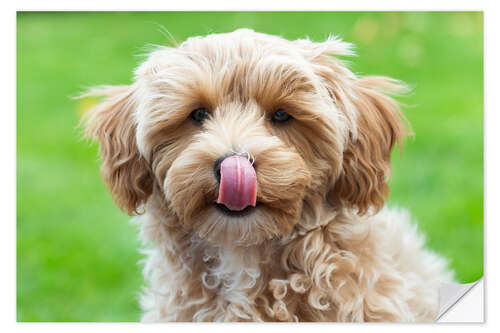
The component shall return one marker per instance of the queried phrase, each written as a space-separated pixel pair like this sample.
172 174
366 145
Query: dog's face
245 135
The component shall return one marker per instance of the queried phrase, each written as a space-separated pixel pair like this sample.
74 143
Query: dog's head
244 135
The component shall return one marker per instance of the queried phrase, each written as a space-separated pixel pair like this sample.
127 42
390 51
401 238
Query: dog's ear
124 170
373 119
379 125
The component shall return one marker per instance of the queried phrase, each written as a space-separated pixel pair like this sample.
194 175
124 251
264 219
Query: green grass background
77 254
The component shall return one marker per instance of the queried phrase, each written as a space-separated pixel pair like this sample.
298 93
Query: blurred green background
77 254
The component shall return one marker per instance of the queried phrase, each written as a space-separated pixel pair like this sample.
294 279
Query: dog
257 168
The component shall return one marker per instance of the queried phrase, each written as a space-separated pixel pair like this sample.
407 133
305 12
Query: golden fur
318 247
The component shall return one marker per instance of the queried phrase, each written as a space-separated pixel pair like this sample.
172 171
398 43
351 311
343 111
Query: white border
255 5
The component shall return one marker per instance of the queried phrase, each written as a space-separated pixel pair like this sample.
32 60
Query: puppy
258 169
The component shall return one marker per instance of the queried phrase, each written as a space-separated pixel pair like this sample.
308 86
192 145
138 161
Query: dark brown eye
199 115
281 116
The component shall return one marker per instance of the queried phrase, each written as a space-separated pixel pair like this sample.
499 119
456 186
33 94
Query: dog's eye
199 115
281 116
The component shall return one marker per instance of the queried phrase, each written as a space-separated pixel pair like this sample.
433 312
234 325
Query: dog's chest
228 271
235 278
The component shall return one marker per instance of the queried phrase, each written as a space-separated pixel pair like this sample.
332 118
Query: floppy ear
366 160
374 123
124 170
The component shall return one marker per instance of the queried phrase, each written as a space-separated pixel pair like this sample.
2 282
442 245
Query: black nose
217 164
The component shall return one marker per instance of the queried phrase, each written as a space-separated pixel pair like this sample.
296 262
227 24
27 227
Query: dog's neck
161 228
218 265
184 268
199 279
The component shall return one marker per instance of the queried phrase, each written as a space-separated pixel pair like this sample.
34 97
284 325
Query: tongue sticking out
238 183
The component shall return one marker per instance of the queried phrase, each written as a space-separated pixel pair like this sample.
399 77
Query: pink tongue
238 183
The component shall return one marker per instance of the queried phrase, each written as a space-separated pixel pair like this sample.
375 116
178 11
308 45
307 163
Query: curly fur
320 246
